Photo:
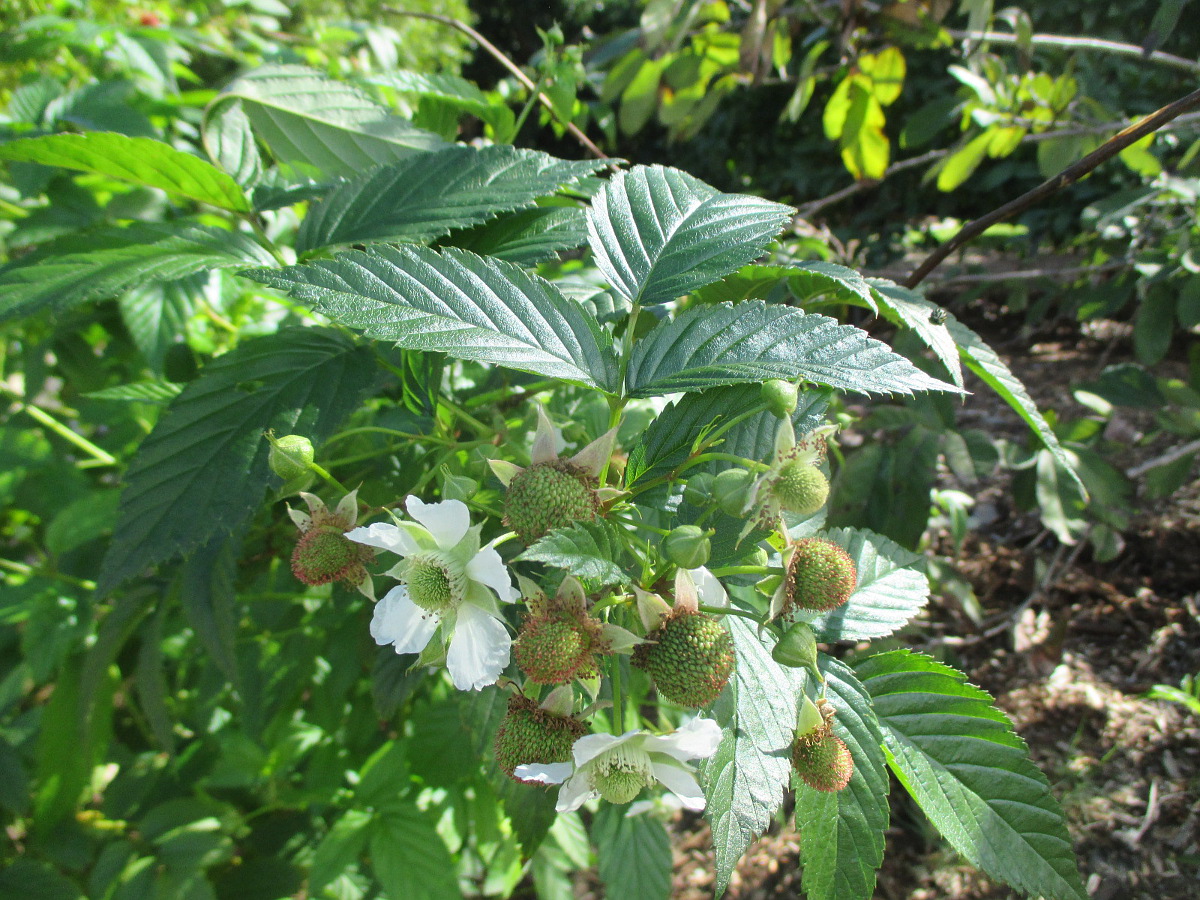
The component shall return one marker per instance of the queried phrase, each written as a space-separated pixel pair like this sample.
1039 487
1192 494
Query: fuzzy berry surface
324 554
530 734
549 495
554 651
800 488
821 576
822 759
689 656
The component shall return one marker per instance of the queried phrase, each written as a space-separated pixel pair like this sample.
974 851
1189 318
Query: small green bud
291 456
781 397
797 649
688 547
732 491
699 488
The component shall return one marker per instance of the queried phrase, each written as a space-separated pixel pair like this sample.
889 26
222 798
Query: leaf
970 773
427 195
457 92
526 238
123 258
841 832
14 780
659 233
35 880
151 683
156 315
306 117
889 592
339 849
201 471
984 362
752 341
139 392
409 858
586 549
814 279
458 303
960 165
634 854
908 308
229 142
744 781
207 592
140 160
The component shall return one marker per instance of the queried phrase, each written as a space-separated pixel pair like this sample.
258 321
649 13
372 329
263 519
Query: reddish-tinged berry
821 758
821 576
689 656
549 495
558 643
530 734
324 554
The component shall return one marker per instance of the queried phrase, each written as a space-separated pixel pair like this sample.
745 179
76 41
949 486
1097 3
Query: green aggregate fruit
324 554
690 658
529 734
822 759
800 487
821 576
549 495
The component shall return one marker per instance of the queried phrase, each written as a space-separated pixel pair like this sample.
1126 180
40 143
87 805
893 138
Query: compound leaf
585 549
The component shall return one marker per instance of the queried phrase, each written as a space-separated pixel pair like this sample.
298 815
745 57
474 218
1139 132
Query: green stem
614 675
28 570
460 413
507 396
533 98
741 570
642 525
403 435
729 611
102 457
329 478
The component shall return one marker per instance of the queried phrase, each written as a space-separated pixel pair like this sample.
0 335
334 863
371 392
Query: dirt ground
1068 646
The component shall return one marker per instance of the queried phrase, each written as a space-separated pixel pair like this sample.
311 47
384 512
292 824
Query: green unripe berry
698 490
800 488
549 495
530 734
822 759
797 649
291 456
688 547
689 656
553 651
731 490
821 576
324 554
781 397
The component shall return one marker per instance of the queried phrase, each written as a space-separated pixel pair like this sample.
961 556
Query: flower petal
590 746
385 536
447 521
698 739
397 620
572 795
711 591
479 649
488 568
544 773
681 784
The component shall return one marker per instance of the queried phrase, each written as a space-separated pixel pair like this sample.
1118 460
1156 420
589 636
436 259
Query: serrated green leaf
586 549
306 117
208 595
139 392
634 854
752 341
814 279
151 683
409 858
201 471
139 160
984 362
841 832
744 781
229 142
156 314
908 308
427 195
659 233
457 92
339 849
957 754
62 274
526 238
888 593
455 302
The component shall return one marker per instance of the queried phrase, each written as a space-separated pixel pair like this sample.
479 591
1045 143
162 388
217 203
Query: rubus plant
650 541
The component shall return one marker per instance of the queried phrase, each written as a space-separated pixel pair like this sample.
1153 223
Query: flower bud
732 491
698 490
797 649
781 397
291 456
688 547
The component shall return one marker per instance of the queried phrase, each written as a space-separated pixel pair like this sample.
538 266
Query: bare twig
1080 43
1067 176
1169 457
512 67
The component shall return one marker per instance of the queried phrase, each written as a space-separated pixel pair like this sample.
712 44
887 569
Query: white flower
447 580
618 768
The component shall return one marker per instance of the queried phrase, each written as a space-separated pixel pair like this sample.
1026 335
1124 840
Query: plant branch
1067 176
1080 43
498 54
